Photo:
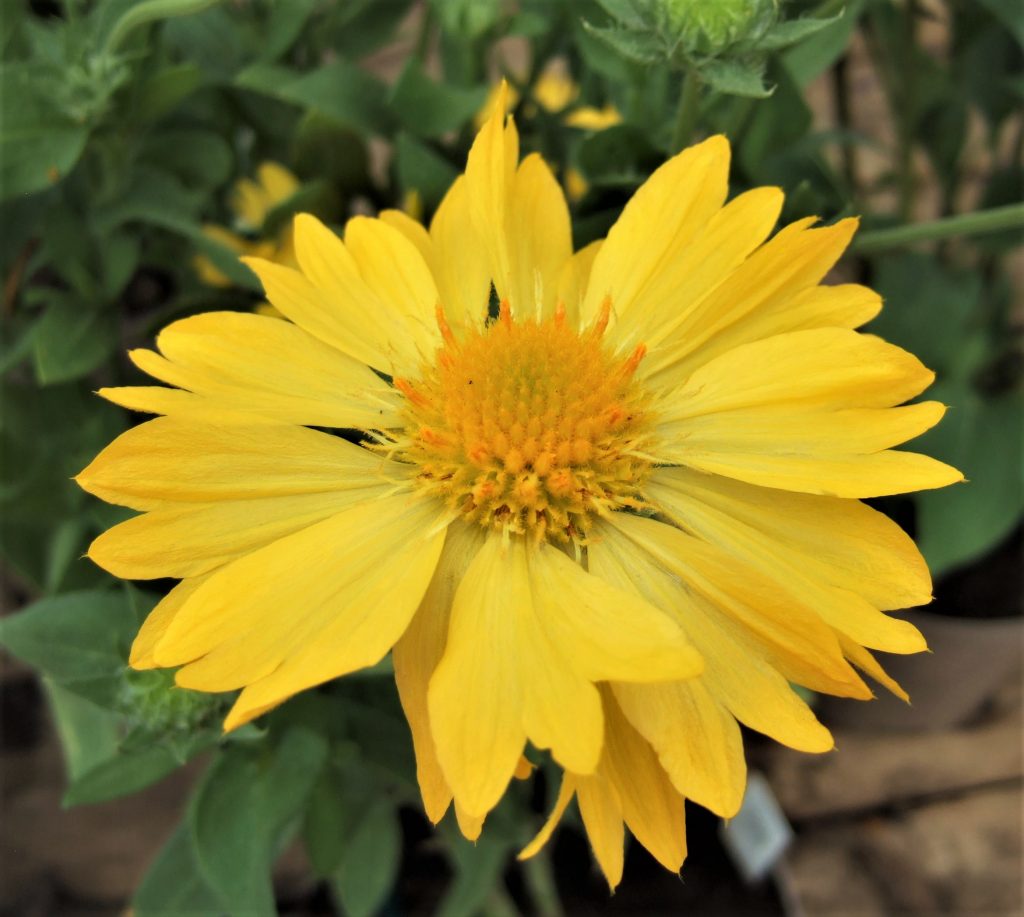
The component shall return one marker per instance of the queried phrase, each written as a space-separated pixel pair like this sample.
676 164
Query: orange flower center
529 427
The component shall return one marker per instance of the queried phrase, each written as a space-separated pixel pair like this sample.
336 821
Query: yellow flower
611 520
251 202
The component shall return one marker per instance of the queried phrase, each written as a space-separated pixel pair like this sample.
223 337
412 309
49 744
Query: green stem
540 882
996 219
689 109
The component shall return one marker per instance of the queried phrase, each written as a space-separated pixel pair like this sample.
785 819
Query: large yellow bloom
609 517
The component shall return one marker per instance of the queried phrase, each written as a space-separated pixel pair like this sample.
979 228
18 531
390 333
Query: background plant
124 126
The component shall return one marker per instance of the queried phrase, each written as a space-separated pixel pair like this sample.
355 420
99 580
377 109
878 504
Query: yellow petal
572 282
277 182
794 260
660 220
833 551
189 540
844 306
565 793
651 807
538 237
309 607
157 399
610 634
475 696
396 272
418 652
675 291
697 740
737 678
175 460
157 622
789 635
601 810
589 118
469 825
798 410
414 231
864 661
271 368
460 264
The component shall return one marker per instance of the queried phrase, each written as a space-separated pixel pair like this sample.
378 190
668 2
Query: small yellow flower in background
612 520
251 202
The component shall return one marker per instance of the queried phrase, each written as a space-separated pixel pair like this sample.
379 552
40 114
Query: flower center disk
529 426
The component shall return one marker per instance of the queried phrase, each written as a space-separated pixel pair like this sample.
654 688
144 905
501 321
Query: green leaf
928 306
1010 14
328 816
339 89
325 147
241 810
78 639
163 91
478 869
284 26
88 733
173 885
421 169
620 156
787 33
197 157
39 145
809 60
430 109
735 78
640 47
71 340
127 771
369 865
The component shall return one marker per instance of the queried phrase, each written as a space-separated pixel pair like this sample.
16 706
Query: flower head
610 511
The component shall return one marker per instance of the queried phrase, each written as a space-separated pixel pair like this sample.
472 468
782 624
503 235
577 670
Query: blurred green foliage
122 128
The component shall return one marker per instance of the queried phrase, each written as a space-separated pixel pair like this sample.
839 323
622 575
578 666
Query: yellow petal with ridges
308 607
790 635
157 622
461 267
418 652
601 810
269 367
795 259
739 679
175 460
475 696
867 663
573 280
847 305
660 220
848 559
189 540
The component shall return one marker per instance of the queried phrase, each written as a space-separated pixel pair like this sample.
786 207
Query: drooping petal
847 558
787 633
178 460
808 411
418 652
530 634
601 810
738 678
268 367
308 607
660 220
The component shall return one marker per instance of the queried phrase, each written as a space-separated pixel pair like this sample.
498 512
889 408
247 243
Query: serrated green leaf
789 32
640 47
808 60
735 78
173 885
